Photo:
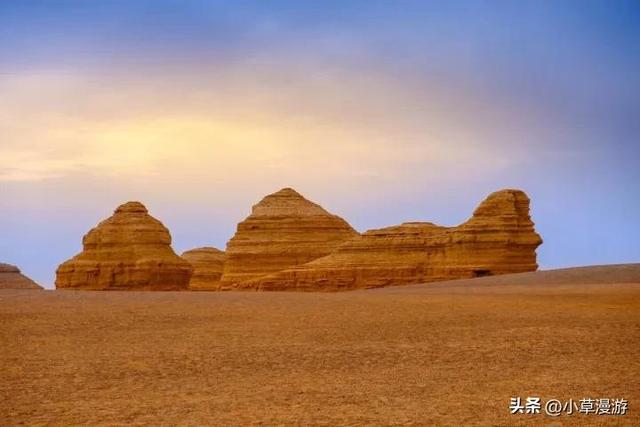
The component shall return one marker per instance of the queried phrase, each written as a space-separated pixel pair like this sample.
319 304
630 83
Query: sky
381 111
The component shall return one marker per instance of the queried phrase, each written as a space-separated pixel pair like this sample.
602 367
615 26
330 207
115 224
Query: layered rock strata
499 238
207 264
284 230
131 250
12 278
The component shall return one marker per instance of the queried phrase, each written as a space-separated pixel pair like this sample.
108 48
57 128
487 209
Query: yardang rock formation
284 230
291 243
207 264
131 250
499 238
11 278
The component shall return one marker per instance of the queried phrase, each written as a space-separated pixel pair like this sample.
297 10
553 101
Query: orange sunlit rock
499 238
283 230
207 266
12 278
131 250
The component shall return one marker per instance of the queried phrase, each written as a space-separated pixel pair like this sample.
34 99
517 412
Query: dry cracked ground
439 354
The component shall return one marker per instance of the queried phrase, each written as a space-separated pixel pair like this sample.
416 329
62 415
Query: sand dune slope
589 275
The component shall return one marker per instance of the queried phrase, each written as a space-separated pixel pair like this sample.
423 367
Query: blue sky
382 112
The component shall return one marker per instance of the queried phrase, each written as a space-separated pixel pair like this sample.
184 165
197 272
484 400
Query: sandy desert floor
439 354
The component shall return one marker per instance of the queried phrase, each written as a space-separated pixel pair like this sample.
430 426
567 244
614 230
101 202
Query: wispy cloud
228 121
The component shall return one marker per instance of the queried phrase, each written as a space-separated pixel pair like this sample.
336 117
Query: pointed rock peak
287 192
284 230
131 207
8 268
129 250
11 278
287 202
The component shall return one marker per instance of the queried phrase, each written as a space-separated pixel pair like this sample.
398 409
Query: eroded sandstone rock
131 250
12 278
283 230
499 238
207 264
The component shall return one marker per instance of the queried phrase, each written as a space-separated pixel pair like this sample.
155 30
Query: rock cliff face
499 238
11 278
283 230
131 250
207 266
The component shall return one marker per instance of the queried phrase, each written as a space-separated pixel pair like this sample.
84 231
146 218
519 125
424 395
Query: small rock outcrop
131 250
283 230
498 239
207 266
12 278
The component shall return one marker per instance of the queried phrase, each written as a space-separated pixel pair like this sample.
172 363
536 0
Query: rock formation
207 266
283 230
499 238
11 278
131 250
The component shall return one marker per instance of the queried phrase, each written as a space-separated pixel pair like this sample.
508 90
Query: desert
448 353
319 213
434 325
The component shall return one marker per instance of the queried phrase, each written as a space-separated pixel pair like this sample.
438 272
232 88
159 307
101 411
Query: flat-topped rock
207 264
12 278
499 238
283 230
131 250
8 268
